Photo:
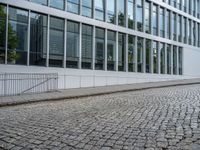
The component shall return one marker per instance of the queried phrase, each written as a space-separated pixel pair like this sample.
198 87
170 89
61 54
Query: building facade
101 42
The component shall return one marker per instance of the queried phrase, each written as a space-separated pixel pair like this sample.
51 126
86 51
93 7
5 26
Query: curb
15 103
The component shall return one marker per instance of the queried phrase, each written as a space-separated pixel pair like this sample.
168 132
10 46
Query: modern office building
101 42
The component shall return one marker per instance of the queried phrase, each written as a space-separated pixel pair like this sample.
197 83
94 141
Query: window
131 53
148 56
174 60
173 3
111 50
131 17
194 33
168 24
72 51
180 58
111 16
99 9
73 6
147 17
140 54
139 16
174 26
162 22
155 20
179 30
121 12
3 33
17 37
43 2
56 42
38 39
162 58
169 59
59 4
87 8
190 32
100 49
121 52
155 57
87 46
184 33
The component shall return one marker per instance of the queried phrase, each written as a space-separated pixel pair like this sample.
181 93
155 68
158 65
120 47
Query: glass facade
45 40
2 34
56 42
72 48
18 36
100 49
111 50
87 46
38 39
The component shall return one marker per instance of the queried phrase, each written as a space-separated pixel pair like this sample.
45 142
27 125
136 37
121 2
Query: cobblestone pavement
160 119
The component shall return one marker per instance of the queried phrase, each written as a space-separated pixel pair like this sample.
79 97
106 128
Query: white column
126 8
187 31
171 25
65 44
159 71
28 38
165 45
177 58
151 17
80 7
48 40
116 10
93 9
192 32
136 57
172 64
151 69
106 57
165 23
176 27
105 10
135 14
126 55
158 20
93 47
6 48
80 46
117 41
144 56
143 16
196 31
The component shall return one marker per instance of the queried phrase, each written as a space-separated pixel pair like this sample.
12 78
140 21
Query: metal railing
24 83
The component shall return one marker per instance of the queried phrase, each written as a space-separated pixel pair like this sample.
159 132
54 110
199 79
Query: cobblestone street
160 119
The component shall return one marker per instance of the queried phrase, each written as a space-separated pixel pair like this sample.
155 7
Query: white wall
191 61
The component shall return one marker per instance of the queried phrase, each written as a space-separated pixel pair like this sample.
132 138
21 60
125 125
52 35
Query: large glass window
155 57
100 49
3 33
148 56
169 59
17 37
111 50
99 9
174 26
87 8
87 46
168 23
131 14
180 58
131 53
162 58
155 20
121 52
72 51
59 4
38 39
198 35
139 16
175 60
56 42
184 33
162 22
179 30
190 32
121 12
147 17
43 2
73 6
194 33
140 54
111 16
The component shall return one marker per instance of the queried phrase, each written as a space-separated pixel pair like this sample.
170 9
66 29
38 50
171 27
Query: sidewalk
84 92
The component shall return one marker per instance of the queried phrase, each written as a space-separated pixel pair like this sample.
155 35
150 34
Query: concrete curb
136 87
